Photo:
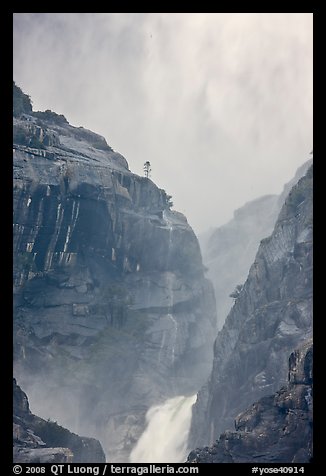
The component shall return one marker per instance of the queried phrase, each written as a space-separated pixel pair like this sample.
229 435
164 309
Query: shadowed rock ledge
277 428
39 441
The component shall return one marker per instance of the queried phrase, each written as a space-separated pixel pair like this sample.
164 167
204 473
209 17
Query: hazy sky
220 104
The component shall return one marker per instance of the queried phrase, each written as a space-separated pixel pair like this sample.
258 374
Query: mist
165 437
115 320
220 104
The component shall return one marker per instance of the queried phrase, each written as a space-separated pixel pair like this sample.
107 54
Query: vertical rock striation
112 310
271 316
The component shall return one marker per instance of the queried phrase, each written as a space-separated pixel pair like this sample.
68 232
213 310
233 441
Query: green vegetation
21 102
169 202
147 169
236 293
52 434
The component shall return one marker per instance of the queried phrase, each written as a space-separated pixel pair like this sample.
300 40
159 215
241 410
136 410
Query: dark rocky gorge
277 428
271 317
113 314
112 311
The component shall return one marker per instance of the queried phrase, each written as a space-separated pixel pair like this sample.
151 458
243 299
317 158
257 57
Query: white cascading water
166 435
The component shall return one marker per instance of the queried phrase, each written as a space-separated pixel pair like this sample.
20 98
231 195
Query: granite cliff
229 250
271 316
112 311
277 428
38 441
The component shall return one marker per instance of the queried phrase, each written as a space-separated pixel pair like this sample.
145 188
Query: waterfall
166 434
175 335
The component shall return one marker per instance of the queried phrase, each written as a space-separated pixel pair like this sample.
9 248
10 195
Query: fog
220 104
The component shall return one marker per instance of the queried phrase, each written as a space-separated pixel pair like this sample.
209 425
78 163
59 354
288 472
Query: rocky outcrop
277 428
42 455
271 316
38 441
229 251
21 102
112 310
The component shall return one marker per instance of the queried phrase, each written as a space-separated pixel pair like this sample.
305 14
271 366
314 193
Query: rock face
112 310
271 316
229 251
38 441
277 428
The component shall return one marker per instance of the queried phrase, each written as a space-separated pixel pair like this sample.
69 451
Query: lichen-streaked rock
111 304
277 428
39 441
271 316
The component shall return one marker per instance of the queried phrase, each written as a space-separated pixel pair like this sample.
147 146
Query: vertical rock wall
112 310
271 316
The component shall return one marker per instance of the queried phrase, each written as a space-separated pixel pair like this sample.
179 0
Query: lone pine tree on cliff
147 168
